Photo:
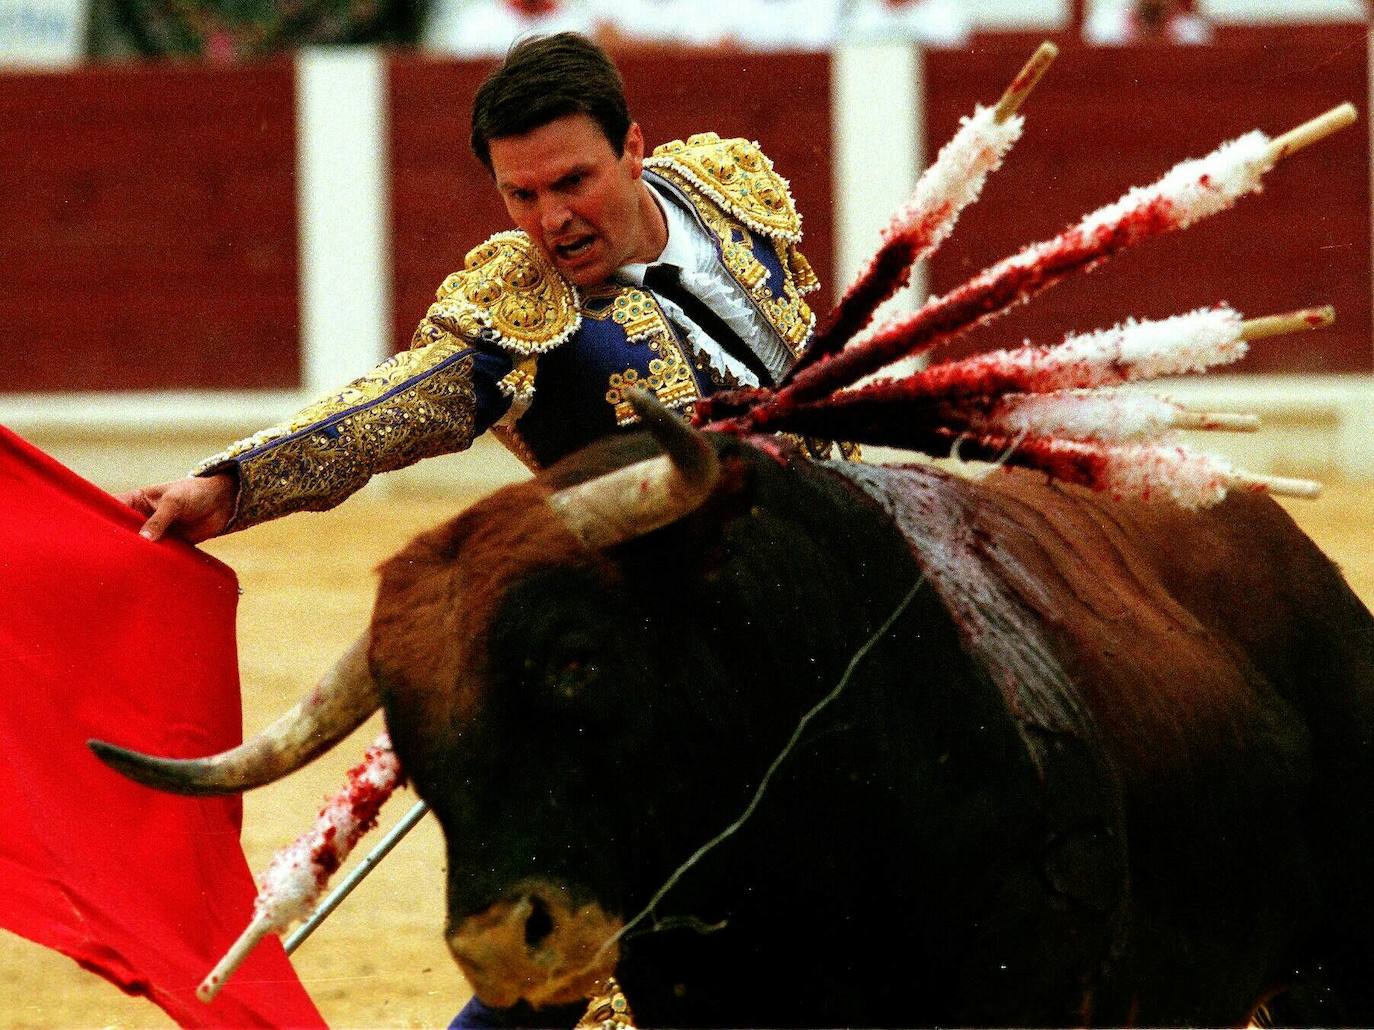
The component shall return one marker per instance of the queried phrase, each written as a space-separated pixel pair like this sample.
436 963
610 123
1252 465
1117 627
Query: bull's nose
539 923
536 945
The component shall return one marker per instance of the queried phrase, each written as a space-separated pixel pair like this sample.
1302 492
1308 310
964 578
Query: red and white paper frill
1190 191
293 881
1144 471
955 179
1109 416
917 228
299 872
1133 351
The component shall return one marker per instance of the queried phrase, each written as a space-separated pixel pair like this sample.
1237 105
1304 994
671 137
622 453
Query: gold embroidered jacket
511 346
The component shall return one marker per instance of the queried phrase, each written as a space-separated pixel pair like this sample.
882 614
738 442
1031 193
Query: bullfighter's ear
648 495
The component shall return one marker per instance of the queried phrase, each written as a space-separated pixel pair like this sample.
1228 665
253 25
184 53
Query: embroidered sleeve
471 366
430 400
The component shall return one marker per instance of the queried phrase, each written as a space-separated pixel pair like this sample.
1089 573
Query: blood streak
1010 282
298 872
888 272
920 225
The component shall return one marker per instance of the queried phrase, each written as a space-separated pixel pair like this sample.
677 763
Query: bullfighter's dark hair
544 78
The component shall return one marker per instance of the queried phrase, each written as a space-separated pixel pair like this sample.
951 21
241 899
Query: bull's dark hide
1111 765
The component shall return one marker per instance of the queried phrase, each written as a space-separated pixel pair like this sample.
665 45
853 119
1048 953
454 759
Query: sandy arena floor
380 960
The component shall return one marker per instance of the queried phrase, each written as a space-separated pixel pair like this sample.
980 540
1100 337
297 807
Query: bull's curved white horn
340 702
648 495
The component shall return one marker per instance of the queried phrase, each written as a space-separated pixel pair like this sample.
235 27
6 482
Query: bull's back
1223 674
1230 669
1227 608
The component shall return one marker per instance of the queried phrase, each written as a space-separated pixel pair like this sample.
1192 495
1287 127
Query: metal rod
336 896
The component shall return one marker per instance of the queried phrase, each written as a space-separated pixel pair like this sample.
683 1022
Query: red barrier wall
442 199
149 235
1105 119
150 212
442 202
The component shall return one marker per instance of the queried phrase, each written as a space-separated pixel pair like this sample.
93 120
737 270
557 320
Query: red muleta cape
104 634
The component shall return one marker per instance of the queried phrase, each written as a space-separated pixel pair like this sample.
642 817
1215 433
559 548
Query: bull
784 743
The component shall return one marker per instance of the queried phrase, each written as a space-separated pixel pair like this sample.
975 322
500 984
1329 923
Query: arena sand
380 960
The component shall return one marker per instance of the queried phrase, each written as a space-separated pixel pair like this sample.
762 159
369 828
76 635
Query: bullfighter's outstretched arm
470 367
433 399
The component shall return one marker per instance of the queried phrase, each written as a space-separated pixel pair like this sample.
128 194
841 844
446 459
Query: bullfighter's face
583 204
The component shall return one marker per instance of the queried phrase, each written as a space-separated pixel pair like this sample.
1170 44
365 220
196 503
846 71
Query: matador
678 272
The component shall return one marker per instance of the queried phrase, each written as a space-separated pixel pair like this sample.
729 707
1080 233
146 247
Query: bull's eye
572 677
563 670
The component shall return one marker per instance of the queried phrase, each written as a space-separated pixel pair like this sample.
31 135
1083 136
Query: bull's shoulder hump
508 292
735 174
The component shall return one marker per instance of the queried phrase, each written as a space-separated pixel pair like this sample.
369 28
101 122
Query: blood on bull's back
1042 797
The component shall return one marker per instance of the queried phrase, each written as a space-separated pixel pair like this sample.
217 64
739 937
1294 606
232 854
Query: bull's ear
648 495
342 701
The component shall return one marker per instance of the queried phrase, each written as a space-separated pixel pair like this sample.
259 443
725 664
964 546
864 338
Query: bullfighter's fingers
164 516
140 500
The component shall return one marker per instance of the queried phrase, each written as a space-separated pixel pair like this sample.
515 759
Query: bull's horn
341 702
645 496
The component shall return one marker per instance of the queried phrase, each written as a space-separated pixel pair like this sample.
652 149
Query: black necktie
666 281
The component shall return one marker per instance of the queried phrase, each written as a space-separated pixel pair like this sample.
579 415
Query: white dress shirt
691 247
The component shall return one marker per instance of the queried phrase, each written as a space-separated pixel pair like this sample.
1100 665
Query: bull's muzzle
537 946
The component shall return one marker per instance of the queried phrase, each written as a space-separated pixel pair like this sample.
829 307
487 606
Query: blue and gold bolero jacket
509 345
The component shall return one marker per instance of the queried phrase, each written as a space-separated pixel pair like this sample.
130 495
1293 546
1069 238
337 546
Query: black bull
1111 763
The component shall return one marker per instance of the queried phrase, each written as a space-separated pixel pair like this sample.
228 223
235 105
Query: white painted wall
341 196
876 94
1019 14
1270 11
42 33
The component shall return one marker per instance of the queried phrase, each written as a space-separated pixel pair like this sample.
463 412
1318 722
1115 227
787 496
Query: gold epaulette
509 294
735 174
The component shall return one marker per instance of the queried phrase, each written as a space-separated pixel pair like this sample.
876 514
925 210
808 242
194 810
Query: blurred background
213 212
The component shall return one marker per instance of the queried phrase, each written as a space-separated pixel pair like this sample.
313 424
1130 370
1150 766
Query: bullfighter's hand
195 508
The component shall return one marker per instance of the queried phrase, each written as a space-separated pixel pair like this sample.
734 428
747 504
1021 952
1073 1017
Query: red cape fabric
103 634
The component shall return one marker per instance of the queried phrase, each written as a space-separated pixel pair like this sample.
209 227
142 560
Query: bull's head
464 648
587 676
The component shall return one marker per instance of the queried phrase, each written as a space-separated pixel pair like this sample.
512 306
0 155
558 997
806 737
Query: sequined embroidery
669 377
418 404
803 275
509 293
607 1009
518 385
633 309
735 174
639 314
737 251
